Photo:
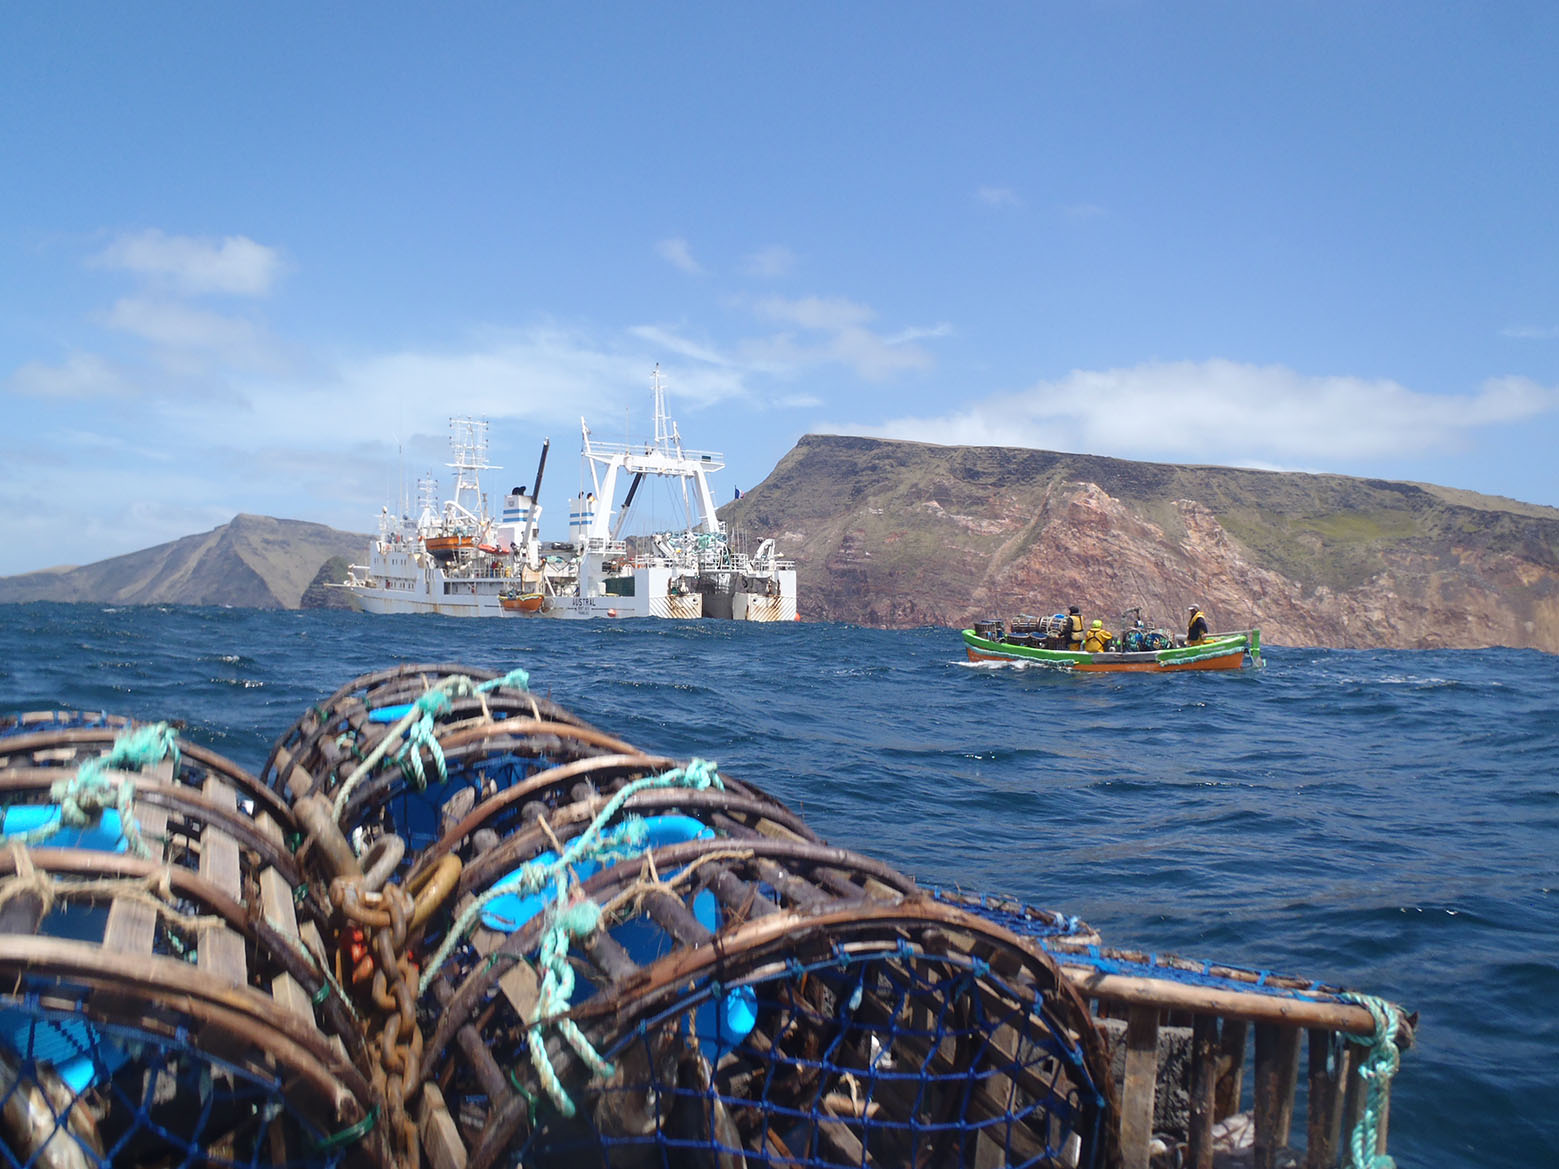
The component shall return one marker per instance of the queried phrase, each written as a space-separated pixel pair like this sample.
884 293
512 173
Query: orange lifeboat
446 546
522 603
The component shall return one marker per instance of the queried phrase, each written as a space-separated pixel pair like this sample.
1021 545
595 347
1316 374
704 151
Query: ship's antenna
400 448
662 429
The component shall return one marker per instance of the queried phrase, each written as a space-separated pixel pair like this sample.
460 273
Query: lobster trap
453 924
165 996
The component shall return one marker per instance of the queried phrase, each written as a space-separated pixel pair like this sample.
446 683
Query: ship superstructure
458 560
695 569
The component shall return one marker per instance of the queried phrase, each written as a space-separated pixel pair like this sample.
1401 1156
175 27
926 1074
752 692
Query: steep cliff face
253 562
899 534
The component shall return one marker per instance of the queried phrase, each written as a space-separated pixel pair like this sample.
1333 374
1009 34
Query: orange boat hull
1229 661
448 545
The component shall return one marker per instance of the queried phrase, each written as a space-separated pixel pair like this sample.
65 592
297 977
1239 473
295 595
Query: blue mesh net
59 720
1059 934
887 1058
75 1090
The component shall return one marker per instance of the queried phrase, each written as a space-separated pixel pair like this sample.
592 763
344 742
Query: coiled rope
1379 1066
84 796
417 725
569 918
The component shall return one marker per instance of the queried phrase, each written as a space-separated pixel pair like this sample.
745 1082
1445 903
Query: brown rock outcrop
251 562
902 534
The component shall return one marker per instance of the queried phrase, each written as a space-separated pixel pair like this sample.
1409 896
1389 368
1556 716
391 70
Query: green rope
569 919
513 680
1379 1066
84 796
422 714
420 734
528 1096
349 1135
328 982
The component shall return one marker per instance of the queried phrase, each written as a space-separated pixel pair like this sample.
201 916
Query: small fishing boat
989 641
521 602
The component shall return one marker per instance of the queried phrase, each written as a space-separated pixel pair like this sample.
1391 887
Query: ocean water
1387 820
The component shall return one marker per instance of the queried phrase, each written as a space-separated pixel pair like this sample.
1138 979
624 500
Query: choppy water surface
1385 820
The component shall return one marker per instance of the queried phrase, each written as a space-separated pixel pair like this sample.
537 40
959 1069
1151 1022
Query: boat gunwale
1220 651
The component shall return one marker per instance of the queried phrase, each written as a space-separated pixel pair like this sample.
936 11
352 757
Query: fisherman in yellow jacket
1196 626
1072 631
1098 639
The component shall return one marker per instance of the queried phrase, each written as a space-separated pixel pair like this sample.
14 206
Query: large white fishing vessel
459 560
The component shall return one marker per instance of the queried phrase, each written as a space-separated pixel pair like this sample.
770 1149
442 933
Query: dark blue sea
1387 820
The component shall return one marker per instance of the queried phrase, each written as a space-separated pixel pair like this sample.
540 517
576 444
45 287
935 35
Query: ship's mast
468 443
664 429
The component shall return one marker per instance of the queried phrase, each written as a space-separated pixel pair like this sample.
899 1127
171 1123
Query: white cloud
817 312
919 332
770 262
846 339
1226 412
179 327
665 340
676 252
998 197
81 375
1531 332
193 266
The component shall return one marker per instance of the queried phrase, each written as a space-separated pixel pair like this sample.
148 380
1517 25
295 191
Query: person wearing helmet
1196 626
1098 639
1072 633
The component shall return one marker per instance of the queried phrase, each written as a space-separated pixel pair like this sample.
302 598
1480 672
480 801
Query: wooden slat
132 925
1277 1065
312 942
1231 1067
1141 1084
1204 1089
221 950
277 903
1323 1101
1288 1079
440 1137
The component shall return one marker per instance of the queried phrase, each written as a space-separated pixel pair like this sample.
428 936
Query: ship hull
1221 652
647 593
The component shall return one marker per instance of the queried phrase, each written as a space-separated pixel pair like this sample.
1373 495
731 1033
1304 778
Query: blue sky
249 253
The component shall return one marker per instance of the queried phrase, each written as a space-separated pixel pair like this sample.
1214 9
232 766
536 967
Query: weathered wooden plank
1204 1089
1277 1067
1231 1067
132 925
277 903
1140 1087
221 950
440 1136
1323 1100
1287 1081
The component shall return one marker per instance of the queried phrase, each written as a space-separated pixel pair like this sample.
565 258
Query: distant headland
902 534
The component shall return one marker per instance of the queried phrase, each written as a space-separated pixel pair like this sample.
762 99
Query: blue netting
79 1091
887 1058
1198 973
415 812
59 720
1052 931
1020 919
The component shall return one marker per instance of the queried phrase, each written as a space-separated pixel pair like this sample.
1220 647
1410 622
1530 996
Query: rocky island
897 534
900 534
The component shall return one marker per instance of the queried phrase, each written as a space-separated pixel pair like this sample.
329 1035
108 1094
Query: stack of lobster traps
452 924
